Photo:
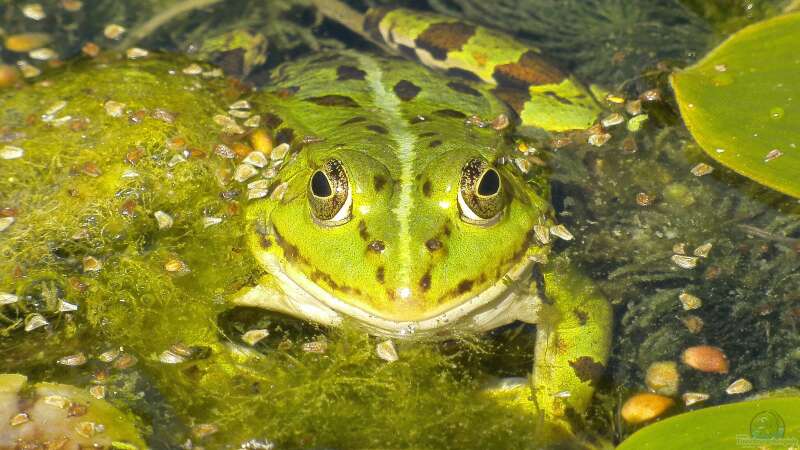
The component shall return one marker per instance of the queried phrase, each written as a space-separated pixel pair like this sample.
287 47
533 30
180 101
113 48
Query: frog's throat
508 300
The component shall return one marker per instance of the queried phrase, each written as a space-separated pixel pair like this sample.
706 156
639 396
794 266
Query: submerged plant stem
161 19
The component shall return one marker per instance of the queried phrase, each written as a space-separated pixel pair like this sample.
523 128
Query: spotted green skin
405 173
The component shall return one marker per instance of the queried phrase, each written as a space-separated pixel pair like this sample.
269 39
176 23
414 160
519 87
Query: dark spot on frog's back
530 70
435 143
587 369
463 88
425 281
406 90
378 129
379 182
362 230
334 100
356 119
441 38
284 136
380 274
465 286
426 188
450 113
344 73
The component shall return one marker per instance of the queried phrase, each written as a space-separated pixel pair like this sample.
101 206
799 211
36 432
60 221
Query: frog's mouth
505 301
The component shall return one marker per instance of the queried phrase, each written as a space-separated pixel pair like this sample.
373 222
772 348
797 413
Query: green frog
403 205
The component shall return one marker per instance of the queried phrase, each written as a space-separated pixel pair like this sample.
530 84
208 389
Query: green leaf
761 423
742 102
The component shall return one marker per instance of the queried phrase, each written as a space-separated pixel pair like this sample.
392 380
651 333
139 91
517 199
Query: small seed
43 54
773 155
252 337
642 199
114 109
706 358
64 306
98 392
77 359
175 265
124 361
643 407
90 49
86 429
690 398
542 234
279 152
500 122
652 95
170 357
28 70
387 351
599 139
685 262
701 169
57 401
7 299
612 120
11 152
19 419
560 231
6 222
113 31
253 122
693 323
91 264
240 104
315 347
703 250
662 378
739 386
164 220
109 355
136 53
35 321
209 221
244 172
634 107
256 159
72 5
33 11
192 69
204 429
690 301
25 42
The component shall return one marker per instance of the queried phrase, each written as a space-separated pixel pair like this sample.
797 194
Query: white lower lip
498 305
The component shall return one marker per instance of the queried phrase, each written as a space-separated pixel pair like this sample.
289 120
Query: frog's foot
573 341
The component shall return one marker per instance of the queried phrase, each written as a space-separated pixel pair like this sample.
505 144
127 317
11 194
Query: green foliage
739 103
762 423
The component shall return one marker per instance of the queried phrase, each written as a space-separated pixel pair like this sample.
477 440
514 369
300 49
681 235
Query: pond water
125 183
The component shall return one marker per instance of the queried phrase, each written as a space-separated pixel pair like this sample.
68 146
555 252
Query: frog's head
400 238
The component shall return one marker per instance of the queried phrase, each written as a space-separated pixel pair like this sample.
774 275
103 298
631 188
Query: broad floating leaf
742 102
762 423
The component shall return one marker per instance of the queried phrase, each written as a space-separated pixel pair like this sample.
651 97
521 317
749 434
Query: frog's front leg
573 341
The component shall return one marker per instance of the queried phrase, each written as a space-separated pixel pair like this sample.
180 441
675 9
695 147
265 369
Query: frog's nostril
433 244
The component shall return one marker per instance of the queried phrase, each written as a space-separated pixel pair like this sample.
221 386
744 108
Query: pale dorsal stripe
389 106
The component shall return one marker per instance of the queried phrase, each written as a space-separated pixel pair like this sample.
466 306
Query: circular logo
767 425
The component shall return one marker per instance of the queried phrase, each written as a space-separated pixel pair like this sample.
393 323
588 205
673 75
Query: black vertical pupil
320 186
489 184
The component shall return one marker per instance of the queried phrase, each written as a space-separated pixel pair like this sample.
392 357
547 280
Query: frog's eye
480 197
329 194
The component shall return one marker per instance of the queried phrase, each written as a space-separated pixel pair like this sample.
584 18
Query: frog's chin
504 302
